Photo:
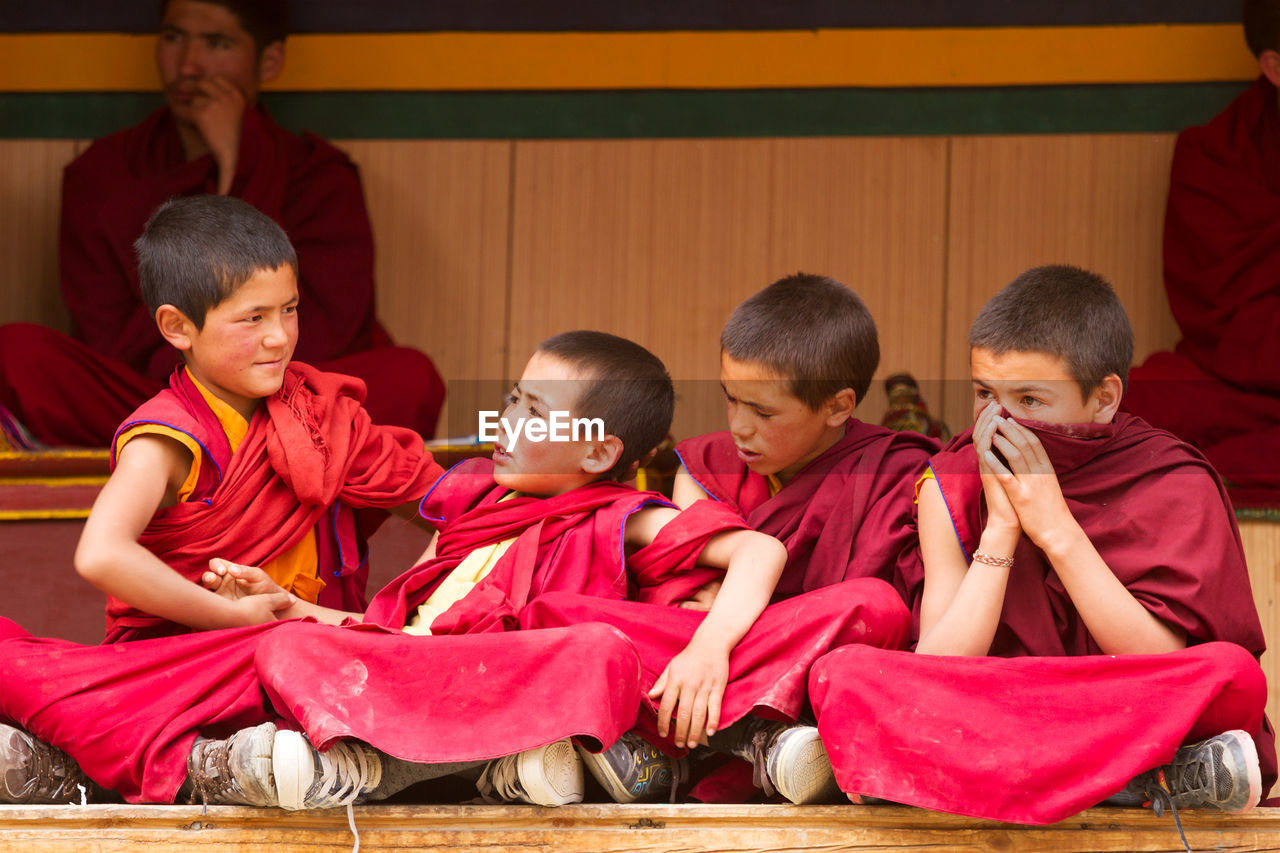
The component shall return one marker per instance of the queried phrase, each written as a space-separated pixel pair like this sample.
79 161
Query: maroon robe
110 191
1062 725
310 458
847 514
1220 390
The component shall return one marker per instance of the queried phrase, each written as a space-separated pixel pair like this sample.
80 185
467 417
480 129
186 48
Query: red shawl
847 514
1156 512
1222 241
567 543
308 186
311 451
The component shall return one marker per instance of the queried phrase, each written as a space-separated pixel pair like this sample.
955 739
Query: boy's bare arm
109 556
692 685
1115 618
234 581
686 491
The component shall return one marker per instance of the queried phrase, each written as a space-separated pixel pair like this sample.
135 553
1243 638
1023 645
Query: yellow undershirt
473 569
295 570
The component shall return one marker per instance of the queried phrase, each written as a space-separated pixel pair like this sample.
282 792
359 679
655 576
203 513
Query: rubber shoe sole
552 775
294 769
1240 745
800 769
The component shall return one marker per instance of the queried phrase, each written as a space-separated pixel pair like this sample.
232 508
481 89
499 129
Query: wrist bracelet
988 560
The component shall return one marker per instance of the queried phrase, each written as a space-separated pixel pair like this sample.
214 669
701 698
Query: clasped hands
1022 491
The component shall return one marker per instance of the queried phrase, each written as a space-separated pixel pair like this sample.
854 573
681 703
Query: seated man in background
212 137
1220 389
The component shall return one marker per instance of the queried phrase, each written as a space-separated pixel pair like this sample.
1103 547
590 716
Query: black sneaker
632 770
1219 773
34 773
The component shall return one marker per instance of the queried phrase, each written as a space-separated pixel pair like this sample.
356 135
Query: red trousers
1026 740
768 669
67 394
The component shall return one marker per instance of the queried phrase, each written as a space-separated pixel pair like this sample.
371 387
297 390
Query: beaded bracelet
988 560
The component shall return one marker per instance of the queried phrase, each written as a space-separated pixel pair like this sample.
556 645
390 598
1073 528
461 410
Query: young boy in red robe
1084 608
212 136
1220 388
796 358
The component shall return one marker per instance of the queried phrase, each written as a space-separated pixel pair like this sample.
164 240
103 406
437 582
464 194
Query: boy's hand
1001 514
234 581
690 690
218 114
257 609
703 597
1029 482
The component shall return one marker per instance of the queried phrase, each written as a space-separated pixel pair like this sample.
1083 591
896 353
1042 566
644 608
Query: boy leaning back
796 358
1085 608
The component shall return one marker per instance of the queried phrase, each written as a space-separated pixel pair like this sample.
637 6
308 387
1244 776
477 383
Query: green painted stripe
632 114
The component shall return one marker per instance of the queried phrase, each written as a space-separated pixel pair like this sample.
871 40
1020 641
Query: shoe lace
1155 787
500 781
761 740
210 786
344 773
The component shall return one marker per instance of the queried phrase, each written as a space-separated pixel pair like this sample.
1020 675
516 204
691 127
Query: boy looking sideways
1084 607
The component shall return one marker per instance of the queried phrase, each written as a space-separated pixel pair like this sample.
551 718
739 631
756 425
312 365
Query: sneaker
549 775
633 770
306 778
788 759
1219 773
34 773
235 771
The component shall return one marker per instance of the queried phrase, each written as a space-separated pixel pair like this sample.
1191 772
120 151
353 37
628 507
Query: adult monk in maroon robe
212 137
1220 388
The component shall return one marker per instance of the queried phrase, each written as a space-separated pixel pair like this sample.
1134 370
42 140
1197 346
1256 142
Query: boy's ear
1269 64
839 407
175 327
1105 399
271 62
602 455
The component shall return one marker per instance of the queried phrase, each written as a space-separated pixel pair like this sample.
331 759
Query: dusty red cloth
847 514
1019 740
1221 391
311 455
768 669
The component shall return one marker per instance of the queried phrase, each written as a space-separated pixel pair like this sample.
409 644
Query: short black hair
810 329
1261 20
628 388
195 252
1063 311
266 21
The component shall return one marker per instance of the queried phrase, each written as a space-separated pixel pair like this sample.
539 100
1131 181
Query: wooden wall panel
1096 201
440 223
658 240
1261 541
30 195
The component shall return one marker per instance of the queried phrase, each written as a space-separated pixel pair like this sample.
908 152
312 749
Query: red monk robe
152 697
311 458
847 514
1049 725
310 188
1220 389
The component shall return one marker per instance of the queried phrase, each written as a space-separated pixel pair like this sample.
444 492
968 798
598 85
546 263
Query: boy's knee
1238 666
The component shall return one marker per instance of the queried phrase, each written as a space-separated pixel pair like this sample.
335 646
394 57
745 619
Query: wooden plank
1096 201
30 198
610 828
660 239
440 221
1261 541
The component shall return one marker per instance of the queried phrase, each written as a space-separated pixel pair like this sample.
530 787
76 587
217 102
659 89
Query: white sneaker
306 778
798 765
33 772
234 771
548 775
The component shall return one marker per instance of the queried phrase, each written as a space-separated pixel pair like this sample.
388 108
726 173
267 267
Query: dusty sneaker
235 771
548 775
306 778
632 770
1219 773
34 773
788 759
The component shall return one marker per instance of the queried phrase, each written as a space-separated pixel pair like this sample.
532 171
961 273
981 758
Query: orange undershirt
295 570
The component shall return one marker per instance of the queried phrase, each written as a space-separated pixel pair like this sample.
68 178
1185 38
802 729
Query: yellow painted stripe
42 515
1002 56
52 482
53 454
